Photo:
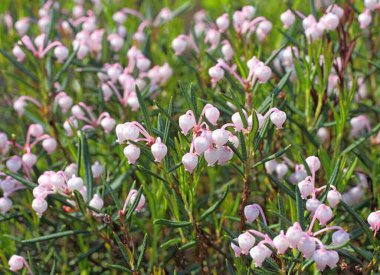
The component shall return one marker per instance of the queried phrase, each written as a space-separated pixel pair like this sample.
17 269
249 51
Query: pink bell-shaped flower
16 263
334 197
306 245
29 160
259 253
251 212
374 221
5 205
212 114
321 258
220 137
246 241
96 202
40 206
14 164
61 53
312 205
49 144
97 170
306 188
75 183
287 18
294 234
223 22
235 248
132 153
187 122
159 150
340 237
225 155
201 144
278 118
190 161
212 156
323 214
281 243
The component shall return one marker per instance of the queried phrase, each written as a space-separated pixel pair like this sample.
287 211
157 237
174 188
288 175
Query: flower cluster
130 132
214 144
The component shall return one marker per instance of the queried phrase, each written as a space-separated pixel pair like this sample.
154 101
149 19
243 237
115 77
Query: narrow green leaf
147 118
56 236
170 223
215 205
143 248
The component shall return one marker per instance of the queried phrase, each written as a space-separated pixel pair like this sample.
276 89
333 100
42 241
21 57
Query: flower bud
116 41
281 243
340 237
28 160
251 212
323 134
211 156
75 183
108 123
19 106
132 153
306 245
201 144
220 137
323 214
159 150
365 19
49 145
371 4
57 181
143 63
212 114
225 155
114 72
287 18
312 205
238 121
14 164
227 51
278 118
333 197
18 53
306 188
65 102
270 166
333 258
77 111
281 170
97 170
96 202
40 206
246 240
141 202
16 263
61 53
70 170
330 21
234 140
119 17
190 161
308 21
5 205
236 248
248 12
223 22
22 26
187 122
259 253
179 44
321 258
313 163
36 130
374 221
216 73
127 131
294 234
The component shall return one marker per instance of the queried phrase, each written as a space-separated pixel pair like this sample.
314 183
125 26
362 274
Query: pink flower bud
374 221
278 118
132 153
19 106
14 164
323 134
313 163
116 42
287 18
323 214
77 111
330 21
190 161
365 19
371 4
246 240
179 44
119 17
321 258
165 72
236 248
22 26
39 205
308 21
18 53
143 63
281 170
107 92
96 202
5 205
223 22
49 145
29 160
61 53
238 121
36 130
216 73
75 183
312 205
334 197
65 102
187 122
97 170
281 243
212 114
251 212
58 182
127 131
211 156
71 169
234 140
314 32
270 166
248 12
16 263
133 102
220 137
108 123
227 51
340 237
225 155
333 258
306 245
259 253
294 234
306 188
212 37
201 144
263 73
159 150
114 72
141 202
